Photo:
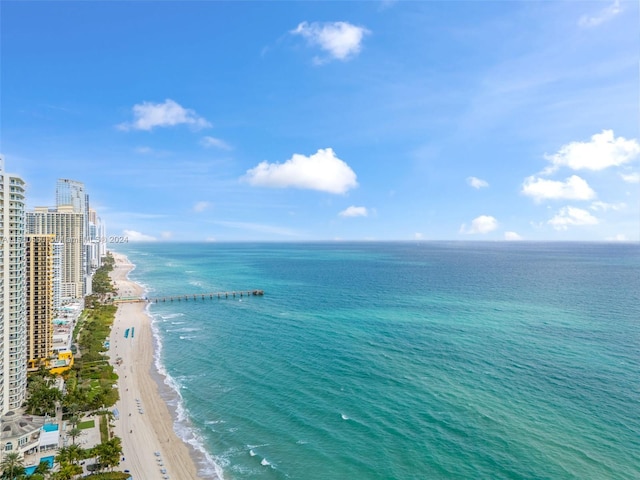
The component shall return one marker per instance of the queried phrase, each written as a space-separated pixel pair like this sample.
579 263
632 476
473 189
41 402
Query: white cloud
201 206
321 171
602 16
481 224
134 236
143 150
215 142
620 237
166 235
476 182
354 212
574 188
418 236
210 239
572 216
603 151
341 40
512 236
149 115
631 177
602 206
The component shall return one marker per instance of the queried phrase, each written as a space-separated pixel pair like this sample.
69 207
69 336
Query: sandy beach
151 448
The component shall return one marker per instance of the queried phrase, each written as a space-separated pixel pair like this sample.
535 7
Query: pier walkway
192 296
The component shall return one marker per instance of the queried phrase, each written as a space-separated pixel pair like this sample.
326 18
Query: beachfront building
20 433
67 227
13 326
72 194
40 298
57 248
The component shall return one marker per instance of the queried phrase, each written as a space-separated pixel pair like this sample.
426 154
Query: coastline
145 422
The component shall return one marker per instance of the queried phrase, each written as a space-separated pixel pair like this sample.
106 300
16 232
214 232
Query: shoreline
151 447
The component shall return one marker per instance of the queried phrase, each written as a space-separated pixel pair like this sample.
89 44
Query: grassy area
79 322
86 424
104 428
90 382
101 283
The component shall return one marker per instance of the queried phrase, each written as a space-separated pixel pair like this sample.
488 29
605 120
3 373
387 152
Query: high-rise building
40 298
71 193
13 326
67 227
58 249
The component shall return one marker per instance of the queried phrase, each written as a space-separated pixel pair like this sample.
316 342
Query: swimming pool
50 427
32 468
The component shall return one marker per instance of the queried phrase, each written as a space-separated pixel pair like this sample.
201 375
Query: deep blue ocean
402 360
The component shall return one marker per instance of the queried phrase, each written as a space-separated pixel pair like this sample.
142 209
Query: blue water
50 427
31 469
403 361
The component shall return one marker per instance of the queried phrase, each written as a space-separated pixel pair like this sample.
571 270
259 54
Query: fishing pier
191 296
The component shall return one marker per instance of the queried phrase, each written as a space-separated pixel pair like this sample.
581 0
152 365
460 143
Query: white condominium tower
71 194
13 325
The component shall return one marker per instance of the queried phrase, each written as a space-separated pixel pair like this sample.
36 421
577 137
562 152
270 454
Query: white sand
142 434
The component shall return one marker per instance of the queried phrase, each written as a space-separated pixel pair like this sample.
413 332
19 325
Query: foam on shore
154 433
169 390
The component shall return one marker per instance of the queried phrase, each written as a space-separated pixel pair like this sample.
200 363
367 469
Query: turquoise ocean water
400 360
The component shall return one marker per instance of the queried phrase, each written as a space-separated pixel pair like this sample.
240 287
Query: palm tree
76 453
67 471
12 466
74 433
109 452
71 454
43 469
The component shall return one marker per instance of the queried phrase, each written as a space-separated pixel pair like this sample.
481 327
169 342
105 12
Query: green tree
67 471
109 452
43 469
42 398
12 466
71 454
74 433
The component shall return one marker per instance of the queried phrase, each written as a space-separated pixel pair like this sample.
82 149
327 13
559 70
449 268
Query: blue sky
297 121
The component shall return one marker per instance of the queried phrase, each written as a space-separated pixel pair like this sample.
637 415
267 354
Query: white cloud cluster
604 207
477 183
633 177
322 171
512 236
481 224
341 40
353 211
620 237
602 16
572 216
149 115
135 236
201 206
214 142
604 150
574 188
